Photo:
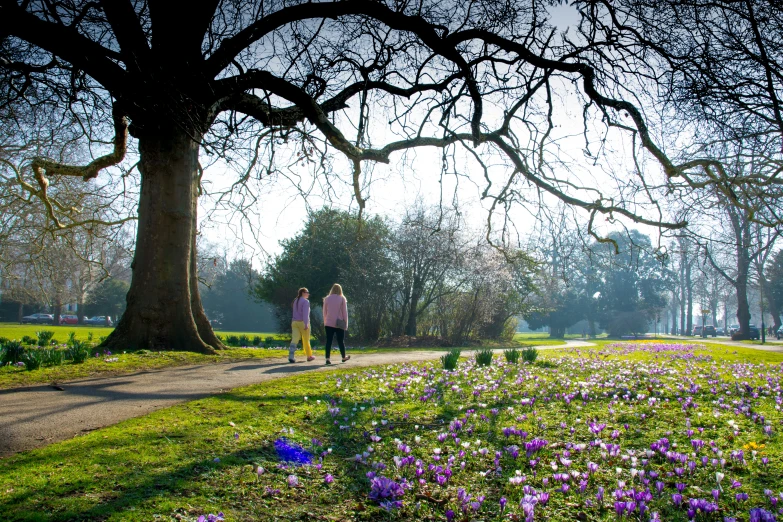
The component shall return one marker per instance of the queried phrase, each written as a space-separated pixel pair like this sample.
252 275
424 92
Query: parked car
720 331
69 319
697 331
734 328
99 320
38 319
754 333
709 330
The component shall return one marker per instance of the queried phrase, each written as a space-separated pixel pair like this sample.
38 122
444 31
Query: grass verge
105 365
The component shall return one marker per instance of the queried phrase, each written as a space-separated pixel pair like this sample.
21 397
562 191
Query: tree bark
160 301
205 330
741 286
557 332
689 305
410 327
80 311
58 308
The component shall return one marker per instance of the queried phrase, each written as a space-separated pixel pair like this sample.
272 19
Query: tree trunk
774 306
21 311
743 308
557 332
160 302
80 311
683 297
205 330
689 304
58 308
725 318
410 327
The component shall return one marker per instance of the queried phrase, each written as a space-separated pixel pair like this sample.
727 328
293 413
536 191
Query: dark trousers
330 333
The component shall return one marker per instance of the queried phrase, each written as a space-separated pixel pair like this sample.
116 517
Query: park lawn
721 352
567 438
17 331
104 365
536 339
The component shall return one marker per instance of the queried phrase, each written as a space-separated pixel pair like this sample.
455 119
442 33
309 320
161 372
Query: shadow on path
39 415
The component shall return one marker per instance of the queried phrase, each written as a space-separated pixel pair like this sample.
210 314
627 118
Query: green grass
536 339
719 352
201 457
17 331
14 377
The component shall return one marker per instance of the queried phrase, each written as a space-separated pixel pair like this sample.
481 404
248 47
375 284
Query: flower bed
681 437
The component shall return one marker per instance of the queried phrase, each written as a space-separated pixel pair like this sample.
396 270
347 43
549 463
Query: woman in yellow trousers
300 326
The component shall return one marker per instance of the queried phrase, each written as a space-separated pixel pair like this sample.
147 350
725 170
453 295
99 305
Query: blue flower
291 452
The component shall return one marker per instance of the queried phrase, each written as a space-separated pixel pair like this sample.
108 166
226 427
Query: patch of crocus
328 479
211 517
293 481
682 438
292 453
761 515
383 488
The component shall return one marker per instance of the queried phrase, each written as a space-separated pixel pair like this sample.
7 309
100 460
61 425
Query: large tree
480 77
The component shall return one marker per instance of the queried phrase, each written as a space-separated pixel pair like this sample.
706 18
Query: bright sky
281 208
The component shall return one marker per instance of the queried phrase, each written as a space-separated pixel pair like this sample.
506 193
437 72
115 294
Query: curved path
39 415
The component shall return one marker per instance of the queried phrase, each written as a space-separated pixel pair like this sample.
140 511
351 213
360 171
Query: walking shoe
346 358
311 358
328 361
291 361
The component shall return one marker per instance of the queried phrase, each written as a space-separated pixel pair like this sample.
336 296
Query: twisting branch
43 168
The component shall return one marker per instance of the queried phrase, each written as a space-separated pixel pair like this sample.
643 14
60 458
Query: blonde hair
336 289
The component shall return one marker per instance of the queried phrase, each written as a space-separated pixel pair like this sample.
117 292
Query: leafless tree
429 246
268 84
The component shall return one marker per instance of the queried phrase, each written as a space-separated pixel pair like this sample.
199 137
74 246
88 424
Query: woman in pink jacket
335 320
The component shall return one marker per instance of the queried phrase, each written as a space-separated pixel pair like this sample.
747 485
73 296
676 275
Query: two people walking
335 311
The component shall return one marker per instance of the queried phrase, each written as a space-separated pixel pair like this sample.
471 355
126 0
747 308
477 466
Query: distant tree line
226 293
617 286
425 274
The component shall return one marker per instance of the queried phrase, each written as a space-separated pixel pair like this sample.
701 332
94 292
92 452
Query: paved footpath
35 416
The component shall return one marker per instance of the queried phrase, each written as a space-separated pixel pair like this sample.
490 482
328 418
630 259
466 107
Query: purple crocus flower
211 517
761 515
292 453
383 488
